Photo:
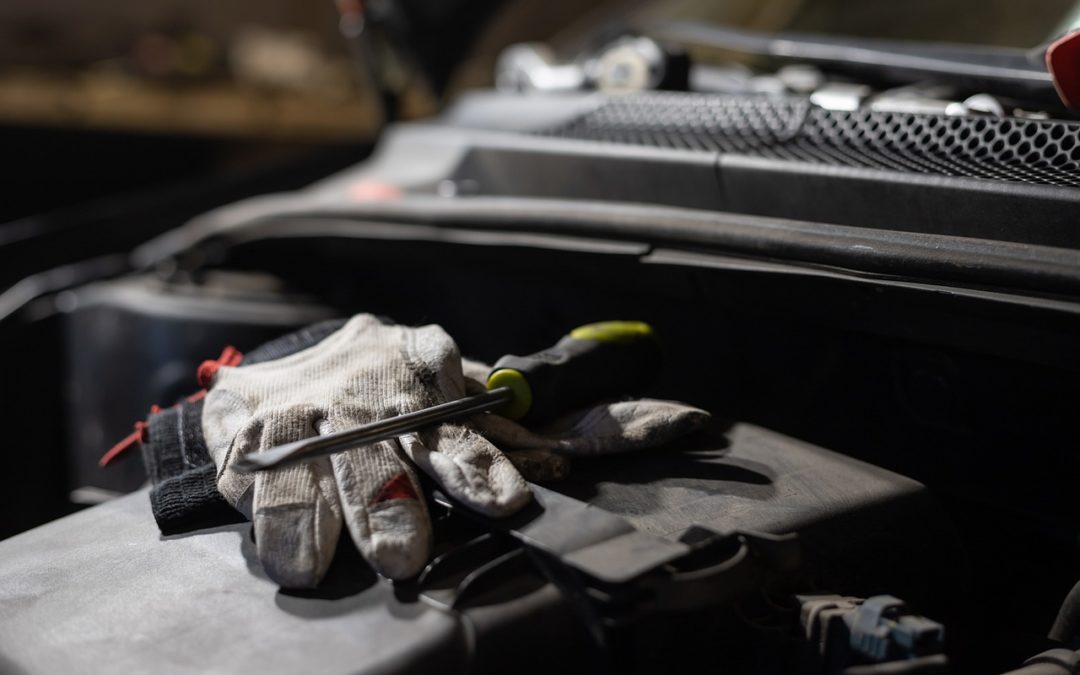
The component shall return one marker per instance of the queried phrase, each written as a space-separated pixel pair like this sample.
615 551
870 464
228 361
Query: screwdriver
592 362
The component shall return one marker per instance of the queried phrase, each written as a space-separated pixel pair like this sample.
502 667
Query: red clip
137 436
230 356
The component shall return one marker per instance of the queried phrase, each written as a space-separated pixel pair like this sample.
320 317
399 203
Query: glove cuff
184 495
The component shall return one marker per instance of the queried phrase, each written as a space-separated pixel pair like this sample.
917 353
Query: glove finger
475 373
622 426
509 435
540 465
434 357
230 432
469 467
383 508
297 522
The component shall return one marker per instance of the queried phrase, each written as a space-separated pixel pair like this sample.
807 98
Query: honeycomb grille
1045 152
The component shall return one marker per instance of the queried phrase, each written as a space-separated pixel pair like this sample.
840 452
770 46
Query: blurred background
102 98
121 120
115 96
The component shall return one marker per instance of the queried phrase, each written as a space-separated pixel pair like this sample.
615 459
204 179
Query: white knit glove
364 372
368 371
605 428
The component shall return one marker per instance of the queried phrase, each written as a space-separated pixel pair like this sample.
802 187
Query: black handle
593 362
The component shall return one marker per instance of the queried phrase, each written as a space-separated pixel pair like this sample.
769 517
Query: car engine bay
861 259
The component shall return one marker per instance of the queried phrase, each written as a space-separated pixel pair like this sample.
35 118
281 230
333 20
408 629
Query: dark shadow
246 534
349 575
251 555
314 606
350 584
406 592
9 668
240 528
637 483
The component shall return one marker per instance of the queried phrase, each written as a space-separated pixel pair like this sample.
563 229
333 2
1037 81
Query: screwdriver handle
593 362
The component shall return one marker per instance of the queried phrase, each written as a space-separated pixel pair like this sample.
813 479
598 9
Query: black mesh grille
1030 151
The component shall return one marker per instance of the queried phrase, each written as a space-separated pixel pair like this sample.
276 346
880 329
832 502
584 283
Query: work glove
608 427
367 371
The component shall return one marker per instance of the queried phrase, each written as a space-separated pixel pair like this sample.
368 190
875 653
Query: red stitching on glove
398 487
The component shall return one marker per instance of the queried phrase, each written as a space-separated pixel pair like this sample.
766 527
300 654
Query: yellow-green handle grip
594 362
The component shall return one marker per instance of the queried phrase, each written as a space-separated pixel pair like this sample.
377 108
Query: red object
1063 62
398 487
373 191
137 436
350 7
229 357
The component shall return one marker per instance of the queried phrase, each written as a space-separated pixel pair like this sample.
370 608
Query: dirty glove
608 427
367 371
364 372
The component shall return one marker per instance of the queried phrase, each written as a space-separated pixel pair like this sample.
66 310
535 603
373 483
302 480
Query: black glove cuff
184 496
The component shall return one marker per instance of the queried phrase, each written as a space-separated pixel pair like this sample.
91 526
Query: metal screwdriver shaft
594 361
317 446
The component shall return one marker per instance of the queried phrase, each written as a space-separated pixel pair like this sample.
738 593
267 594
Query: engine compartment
865 370
910 418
